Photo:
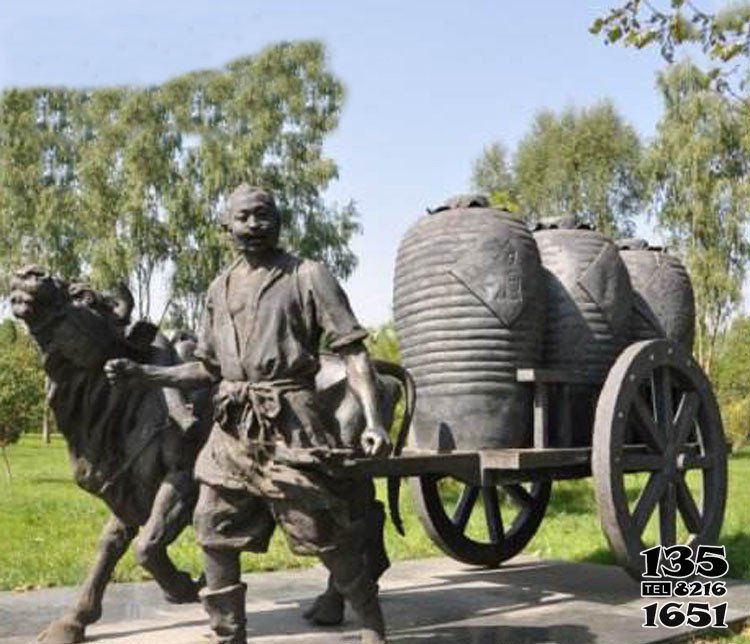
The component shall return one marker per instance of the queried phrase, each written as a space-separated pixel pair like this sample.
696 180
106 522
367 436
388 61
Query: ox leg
114 541
171 513
328 607
355 583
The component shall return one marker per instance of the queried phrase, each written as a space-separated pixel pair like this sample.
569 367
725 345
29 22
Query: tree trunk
6 460
46 438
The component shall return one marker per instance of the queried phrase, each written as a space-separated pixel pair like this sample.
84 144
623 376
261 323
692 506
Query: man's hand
121 370
376 442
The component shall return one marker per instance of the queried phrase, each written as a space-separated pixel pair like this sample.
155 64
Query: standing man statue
264 319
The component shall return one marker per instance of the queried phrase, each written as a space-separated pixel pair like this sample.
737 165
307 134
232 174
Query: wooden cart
656 415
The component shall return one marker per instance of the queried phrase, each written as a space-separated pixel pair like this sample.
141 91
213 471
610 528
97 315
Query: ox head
36 297
74 322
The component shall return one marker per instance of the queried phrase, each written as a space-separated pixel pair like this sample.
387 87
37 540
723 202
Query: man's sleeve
333 312
206 350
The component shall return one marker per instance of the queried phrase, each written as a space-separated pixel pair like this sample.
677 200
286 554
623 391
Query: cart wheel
512 513
657 400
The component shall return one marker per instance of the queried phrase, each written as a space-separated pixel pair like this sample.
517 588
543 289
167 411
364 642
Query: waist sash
251 408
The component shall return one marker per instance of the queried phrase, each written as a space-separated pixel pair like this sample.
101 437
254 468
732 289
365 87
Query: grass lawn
724 637
49 527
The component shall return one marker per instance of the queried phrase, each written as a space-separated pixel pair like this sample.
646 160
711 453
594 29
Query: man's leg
317 519
227 523
223 597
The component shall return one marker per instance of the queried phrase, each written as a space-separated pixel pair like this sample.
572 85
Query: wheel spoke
651 434
685 418
640 462
492 514
668 516
663 404
650 496
465 506
696 461
519 495
687 507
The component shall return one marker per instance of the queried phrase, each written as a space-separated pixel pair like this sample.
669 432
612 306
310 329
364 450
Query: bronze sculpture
78 328
265 459
133 449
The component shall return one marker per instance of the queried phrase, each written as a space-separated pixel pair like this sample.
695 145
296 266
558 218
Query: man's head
82 294
253 220
121 303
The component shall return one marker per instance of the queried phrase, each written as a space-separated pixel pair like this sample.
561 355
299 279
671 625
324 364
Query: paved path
430 600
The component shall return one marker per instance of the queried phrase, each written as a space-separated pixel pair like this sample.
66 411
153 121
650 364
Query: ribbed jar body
589 298
664 305
469 312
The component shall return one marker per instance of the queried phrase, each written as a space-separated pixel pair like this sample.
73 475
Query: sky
429 84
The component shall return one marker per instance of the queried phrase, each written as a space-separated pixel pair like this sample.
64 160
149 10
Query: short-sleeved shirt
297 302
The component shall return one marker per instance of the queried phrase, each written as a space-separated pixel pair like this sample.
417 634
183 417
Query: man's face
120 309
254 227
82 296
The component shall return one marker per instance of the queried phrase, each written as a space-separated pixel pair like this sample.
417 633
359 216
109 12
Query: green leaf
596 26
614 34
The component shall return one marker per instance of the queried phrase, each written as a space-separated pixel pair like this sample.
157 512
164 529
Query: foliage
492 175
127 181
492 171
21 386
38 217
722 36
731 373
736 417
383 344
583 162
261 120
698 180
731 379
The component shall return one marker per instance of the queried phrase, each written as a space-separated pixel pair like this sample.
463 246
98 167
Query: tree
492 175
120 183
38 218
21 387
583 162
126 169
698 180
261 120
731 373
731 379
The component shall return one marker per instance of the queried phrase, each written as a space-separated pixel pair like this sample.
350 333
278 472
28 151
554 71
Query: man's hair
120 291
244 195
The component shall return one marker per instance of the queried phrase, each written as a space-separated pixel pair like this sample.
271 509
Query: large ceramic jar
469 311
663 306
589 298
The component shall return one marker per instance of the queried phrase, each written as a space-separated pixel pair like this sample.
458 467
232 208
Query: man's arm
191 375
361 377
328 303
202 372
